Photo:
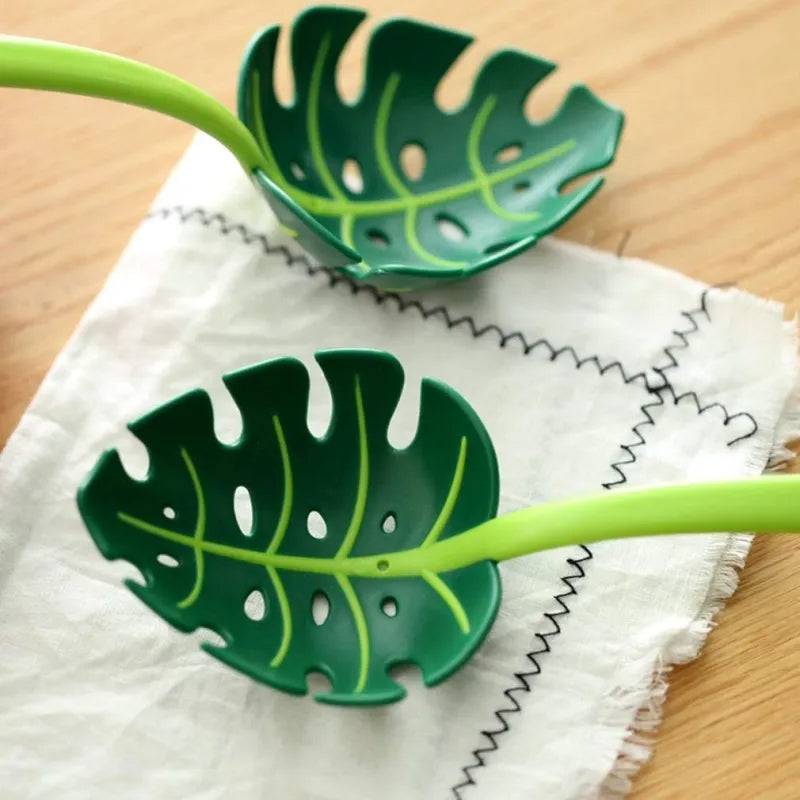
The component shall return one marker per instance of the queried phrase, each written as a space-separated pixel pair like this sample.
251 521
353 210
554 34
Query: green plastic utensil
356 556
341 177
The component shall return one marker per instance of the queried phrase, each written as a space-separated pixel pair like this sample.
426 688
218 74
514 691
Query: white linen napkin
588 370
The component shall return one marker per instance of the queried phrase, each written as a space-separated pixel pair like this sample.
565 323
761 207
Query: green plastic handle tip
486 182
407 561
37 64
766 505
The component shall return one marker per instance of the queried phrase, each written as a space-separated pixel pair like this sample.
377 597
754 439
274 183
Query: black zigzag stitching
638 441
666 388
672 362
577 572
247 236
403 304
683 335
226 228
523 679
727 417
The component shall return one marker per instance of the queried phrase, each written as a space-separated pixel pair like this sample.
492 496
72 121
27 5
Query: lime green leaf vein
280 532
286 616
338 205
473 157
394 180
447 594
312 121
288 488
346 546
434 581
452 495
199 531
197 539
355 566
363 480
361 630
337 566
346 229
381 130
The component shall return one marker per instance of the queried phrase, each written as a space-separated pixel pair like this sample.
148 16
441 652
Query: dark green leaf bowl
392 189
341 554
315 505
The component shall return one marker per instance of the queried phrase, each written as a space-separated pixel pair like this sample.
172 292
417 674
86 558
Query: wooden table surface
707 182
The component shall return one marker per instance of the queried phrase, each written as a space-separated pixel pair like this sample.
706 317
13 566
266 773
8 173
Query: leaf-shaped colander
180 529
397 548
491 178
486 184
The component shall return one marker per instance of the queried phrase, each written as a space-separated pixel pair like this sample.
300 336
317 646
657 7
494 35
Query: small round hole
168 512
297 171
352 177
412 161
451 228
389 606
254 605
378 238
389 523
511 152
243 510
522 186
316 525
320 608
383 565
167 560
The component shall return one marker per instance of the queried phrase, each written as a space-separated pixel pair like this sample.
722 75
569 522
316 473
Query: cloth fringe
638 745
642 708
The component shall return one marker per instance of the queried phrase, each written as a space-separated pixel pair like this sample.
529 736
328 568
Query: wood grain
707 182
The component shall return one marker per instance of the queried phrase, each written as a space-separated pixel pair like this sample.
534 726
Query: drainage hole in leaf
254 605
378 238
577 183
297 171
389 606
318 682
167 560
522 186
406 673
352 177
383 565
316 525
412 161
243 510
213 639
451 228
168 512
511 152
389 523
320 608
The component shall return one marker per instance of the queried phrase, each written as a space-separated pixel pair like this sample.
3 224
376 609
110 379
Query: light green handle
36 64
764 505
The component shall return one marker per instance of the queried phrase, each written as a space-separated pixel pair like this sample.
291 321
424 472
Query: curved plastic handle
765 505
37 64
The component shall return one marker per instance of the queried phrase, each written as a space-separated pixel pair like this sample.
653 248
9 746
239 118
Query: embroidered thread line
577 572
